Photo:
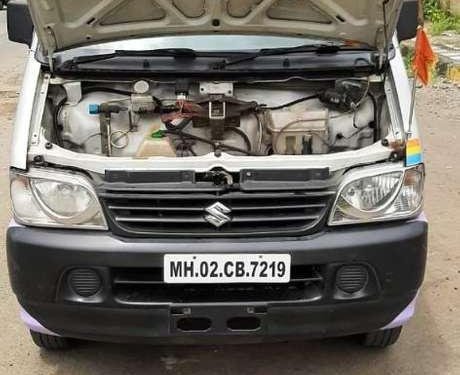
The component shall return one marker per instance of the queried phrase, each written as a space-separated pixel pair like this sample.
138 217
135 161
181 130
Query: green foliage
441 20
408 56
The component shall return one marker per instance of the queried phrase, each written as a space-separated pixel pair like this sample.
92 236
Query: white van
192 171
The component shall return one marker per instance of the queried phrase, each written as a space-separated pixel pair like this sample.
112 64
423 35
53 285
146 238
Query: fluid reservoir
299 133
156 143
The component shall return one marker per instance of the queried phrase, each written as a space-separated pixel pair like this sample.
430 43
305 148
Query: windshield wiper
172 52
319 48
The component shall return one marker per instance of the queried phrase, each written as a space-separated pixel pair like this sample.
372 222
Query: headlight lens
379 197
56 199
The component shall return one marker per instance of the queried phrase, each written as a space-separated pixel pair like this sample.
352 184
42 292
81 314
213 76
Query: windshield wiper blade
320 48
172 52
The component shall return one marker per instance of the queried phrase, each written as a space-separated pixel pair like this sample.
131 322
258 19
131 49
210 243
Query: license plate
226 268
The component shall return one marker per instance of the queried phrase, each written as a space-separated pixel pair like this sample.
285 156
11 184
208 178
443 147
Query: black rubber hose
243 135
376 117
56 128
289 104
204 140
184 123
90 89
178 130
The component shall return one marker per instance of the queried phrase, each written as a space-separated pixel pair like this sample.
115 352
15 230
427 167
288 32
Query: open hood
64 24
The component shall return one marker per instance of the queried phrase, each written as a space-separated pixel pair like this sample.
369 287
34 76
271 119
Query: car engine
144 119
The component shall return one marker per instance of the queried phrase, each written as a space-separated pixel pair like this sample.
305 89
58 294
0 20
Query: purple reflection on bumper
409 311
421 217
404 316
33 324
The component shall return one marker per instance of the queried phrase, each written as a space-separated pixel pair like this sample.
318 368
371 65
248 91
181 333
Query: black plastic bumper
394 253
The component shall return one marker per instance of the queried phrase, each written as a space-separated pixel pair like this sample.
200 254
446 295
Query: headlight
55 199
379 196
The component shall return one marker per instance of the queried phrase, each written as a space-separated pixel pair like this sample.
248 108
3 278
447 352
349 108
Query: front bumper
393 253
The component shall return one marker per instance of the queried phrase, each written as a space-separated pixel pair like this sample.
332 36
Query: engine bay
185 118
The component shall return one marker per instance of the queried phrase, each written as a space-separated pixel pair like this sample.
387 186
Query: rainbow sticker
413 152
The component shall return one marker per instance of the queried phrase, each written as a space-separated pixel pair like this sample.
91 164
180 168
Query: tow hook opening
194 324
244 323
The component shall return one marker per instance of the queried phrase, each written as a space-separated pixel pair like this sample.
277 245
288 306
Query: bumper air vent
352 278
85 282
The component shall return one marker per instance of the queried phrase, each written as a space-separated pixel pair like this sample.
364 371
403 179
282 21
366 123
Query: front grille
142 212
146 286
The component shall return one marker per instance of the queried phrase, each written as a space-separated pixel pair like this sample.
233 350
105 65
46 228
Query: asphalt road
430 344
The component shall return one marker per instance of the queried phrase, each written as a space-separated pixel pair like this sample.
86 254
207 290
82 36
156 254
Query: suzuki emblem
218 214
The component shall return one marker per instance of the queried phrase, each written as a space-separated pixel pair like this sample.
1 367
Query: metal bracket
216 88
397 122
105 126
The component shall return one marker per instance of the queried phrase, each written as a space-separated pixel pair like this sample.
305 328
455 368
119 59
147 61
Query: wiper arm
173 52
320 48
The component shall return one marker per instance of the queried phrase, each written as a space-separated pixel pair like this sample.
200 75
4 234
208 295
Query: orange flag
424 57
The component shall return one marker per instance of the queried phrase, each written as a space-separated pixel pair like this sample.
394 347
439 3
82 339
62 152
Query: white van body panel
24 110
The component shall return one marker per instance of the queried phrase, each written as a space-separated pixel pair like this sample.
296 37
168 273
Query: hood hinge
51 47
381 46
